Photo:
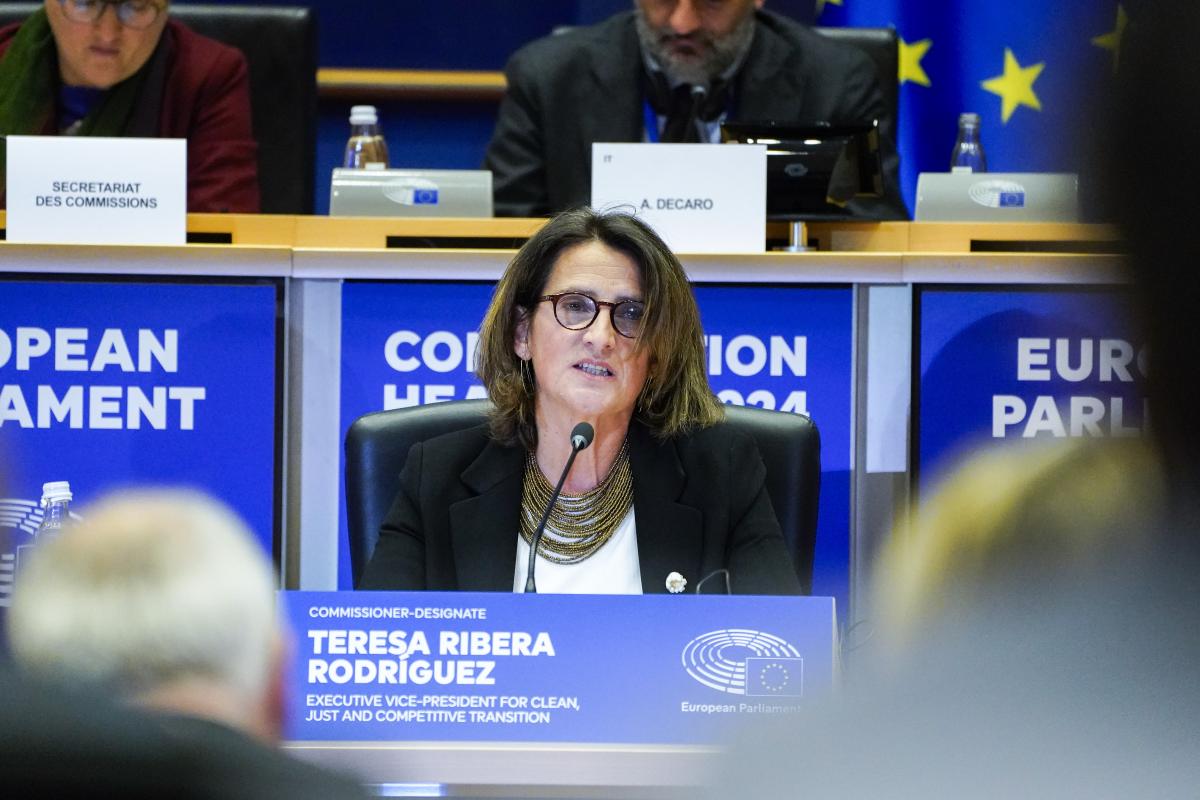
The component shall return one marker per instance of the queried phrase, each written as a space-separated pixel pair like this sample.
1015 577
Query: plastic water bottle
366 148
56 502
56 510
968 150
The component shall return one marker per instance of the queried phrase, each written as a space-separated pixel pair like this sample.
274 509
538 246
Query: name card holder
700 198
96 190
501 667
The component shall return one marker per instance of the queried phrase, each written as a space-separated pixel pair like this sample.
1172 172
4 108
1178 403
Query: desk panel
115 382
1001 363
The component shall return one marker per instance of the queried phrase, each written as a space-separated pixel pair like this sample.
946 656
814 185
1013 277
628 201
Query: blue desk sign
466 666
109 384
1022 363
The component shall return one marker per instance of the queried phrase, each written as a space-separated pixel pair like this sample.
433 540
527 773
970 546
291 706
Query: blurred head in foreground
161 598
1153 169
1012 525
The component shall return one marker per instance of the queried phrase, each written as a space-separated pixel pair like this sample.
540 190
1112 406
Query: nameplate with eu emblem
700 198
459 666
96 190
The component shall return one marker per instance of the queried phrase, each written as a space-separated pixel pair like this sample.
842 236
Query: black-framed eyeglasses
130 13
576 311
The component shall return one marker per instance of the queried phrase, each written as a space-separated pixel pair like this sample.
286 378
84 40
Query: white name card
95 190
700 198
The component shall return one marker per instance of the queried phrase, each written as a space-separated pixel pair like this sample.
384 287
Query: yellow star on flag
1015 86
1112 40
822 3
910 61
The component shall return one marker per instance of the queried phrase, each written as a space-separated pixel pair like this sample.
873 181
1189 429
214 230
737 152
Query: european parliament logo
19 521
745 662
412 192
998 194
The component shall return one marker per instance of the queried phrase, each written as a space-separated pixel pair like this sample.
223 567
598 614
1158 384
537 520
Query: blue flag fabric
1033 70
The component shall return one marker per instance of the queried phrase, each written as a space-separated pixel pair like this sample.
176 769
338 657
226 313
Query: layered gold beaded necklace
579 525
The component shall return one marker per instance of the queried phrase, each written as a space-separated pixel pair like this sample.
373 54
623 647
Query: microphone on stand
699 95
581 436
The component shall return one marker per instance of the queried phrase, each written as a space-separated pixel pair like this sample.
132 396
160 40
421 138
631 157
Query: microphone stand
698 95
579 440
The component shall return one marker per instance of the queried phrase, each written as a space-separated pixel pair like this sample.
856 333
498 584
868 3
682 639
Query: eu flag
774 677
1035 71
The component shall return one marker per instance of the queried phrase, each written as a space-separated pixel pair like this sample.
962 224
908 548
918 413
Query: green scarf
29 89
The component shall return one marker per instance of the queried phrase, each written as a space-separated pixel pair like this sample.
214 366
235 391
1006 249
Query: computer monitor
814 170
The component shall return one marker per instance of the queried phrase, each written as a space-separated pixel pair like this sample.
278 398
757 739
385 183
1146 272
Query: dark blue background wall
450 34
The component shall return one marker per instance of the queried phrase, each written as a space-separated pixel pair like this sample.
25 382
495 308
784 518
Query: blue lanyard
651 120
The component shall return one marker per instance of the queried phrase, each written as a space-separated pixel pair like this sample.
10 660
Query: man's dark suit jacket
699 504
58 741
567 91
235 766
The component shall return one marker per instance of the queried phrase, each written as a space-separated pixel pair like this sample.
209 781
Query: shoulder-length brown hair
676 397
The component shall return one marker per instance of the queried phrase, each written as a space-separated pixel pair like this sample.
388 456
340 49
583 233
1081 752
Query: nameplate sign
700 198
465 666
96 190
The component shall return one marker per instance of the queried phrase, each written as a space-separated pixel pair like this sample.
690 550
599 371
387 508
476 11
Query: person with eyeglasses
593 321
124 68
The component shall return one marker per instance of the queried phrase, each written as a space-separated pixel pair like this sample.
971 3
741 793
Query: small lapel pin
675 583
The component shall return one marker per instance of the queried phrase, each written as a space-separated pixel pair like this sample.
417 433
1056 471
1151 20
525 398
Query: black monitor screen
814 170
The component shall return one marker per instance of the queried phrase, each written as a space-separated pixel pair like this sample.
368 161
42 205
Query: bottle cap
968 118
54 491
363 115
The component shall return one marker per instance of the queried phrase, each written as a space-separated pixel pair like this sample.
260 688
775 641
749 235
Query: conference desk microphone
699 95
581 436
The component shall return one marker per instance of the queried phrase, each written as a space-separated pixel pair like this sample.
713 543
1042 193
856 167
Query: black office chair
882 45
377 446
280 45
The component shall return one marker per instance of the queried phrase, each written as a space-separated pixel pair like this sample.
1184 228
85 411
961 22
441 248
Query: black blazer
568 91
699 502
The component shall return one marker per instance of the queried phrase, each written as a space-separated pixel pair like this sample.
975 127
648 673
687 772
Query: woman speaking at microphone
592 322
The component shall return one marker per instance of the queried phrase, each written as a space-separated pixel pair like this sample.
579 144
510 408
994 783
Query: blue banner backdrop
783 347
1022 363
112 384
466 666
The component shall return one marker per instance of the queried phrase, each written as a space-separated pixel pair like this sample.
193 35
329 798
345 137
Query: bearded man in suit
630 79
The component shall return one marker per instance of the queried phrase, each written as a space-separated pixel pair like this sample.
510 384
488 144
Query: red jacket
206 100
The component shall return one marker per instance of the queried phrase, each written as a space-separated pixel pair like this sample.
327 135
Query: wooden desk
354 233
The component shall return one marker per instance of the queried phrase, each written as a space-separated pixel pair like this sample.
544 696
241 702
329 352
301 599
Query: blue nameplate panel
465 666
999 363
110 384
